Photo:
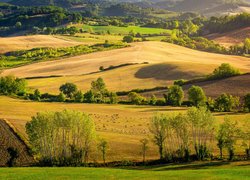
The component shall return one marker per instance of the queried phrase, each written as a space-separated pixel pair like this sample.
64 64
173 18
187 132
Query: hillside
9 138
230 38
29 42
237 86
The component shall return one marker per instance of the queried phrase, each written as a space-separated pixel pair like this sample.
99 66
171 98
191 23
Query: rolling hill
164 64
29 42
230 38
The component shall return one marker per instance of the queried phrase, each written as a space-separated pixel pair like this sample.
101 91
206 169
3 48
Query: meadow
204 170
122 125
123 30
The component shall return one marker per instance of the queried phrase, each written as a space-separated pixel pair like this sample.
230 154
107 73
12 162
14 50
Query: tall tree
197 96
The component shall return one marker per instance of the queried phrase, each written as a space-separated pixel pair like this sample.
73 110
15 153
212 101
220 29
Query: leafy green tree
61 97
69 89
153 100
18 24
78 96
52 136
221 139
89 97
12 85
223 71
37 95
230 135
197 96
247 45
103 146
226 103
201 123
135 98
158 128
175 95
246 137
113 98
128 39
247 102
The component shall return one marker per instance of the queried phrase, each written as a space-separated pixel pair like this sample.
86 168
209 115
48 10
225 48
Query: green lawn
124 30
217 170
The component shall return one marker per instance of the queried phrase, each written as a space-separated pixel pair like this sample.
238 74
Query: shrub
12 85
223 71
175 95
128 39
61 97
69 89
197 96
135 98
180 82
247 102
226 103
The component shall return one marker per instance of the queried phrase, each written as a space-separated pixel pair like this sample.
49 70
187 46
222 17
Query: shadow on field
191 166
164 72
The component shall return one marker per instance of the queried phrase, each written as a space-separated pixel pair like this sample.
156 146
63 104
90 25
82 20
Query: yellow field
167 62
122 125
8 44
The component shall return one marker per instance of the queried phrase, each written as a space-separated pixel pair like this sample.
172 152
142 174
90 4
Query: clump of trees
175 95
61 138
174 134
197 96
12 85
225 70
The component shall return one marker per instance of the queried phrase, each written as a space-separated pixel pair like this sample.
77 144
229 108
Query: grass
215 171
122 125
123 30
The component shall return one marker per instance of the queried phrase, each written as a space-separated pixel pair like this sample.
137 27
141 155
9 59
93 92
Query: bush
226 103
247 102
135 98
197 96
128 39
223 71
180 82
175 95
12 85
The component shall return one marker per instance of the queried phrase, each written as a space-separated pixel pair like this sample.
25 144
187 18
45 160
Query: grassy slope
198 171
167 62
124 30
29 42
122 125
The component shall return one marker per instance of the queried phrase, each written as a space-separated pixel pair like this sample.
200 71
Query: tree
223 71
221 139
61 97
103 146
197 96
69 89
18 25
247 102
230 134
98 88
246 137
175 95
153 100
113 98
158 128
201 124
226 103
247 45
78 96
89 97
37 95
135 98
57 137
128 39
144 147
12 85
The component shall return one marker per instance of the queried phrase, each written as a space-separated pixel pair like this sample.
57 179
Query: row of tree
177 136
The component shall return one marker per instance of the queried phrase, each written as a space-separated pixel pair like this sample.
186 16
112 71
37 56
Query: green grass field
123 30
212 170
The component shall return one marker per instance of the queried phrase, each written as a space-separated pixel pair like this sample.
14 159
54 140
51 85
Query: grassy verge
231 171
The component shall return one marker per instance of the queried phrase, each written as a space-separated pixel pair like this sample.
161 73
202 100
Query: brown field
122 125
230 38
237 86
8 44
9 138
167 62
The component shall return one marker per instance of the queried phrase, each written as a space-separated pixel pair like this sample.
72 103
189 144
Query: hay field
8 44
122 125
